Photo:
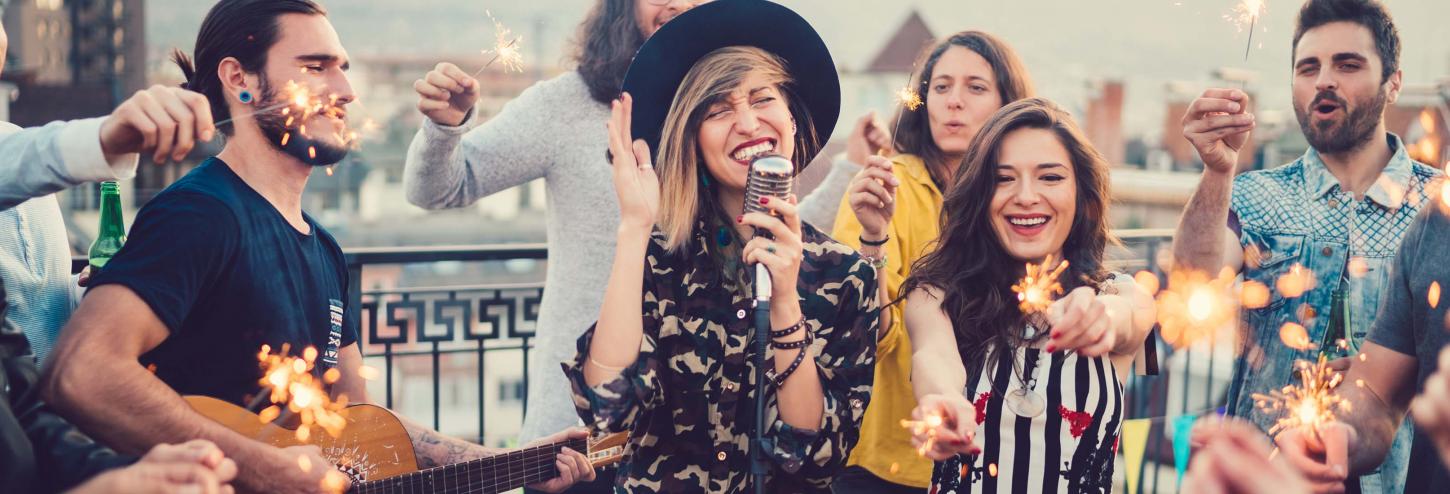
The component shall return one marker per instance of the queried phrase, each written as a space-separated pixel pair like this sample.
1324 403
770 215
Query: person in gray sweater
555 130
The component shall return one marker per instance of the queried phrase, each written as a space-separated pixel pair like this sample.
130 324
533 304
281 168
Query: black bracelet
877 243
799 357
791 345
790 330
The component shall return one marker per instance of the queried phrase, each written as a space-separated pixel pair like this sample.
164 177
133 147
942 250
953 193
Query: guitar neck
497 473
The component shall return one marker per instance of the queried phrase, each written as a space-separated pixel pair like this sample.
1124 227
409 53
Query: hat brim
663 61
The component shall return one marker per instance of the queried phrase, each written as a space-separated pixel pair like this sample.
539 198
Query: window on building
511 390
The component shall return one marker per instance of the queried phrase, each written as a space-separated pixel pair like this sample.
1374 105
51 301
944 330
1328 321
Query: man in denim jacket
1329 222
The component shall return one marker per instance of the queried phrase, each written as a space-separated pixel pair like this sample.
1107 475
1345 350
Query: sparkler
295 389
505 49
1247 12
925 426
1308 405
1038 289
298 102
1194 306
908 99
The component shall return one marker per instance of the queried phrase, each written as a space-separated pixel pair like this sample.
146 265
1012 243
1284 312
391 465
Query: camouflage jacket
688 402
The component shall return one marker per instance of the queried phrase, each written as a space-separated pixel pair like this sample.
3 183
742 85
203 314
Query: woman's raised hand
635 181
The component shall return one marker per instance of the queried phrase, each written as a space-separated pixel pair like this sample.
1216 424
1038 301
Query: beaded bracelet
799 357
790 330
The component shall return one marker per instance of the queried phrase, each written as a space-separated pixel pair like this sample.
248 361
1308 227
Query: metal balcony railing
434 317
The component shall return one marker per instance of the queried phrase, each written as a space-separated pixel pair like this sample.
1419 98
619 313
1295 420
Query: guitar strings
525 465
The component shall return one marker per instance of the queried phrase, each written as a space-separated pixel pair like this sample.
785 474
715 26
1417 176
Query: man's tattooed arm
433 449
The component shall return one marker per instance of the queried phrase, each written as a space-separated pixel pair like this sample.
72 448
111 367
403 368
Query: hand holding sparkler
164 121
872 196
1231 457
1080 322
1308 432
1218 125
446 94
943 425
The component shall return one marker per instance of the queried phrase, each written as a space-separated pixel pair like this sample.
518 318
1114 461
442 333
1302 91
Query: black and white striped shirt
1069 448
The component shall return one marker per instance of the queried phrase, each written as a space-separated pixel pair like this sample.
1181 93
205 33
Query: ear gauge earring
245 97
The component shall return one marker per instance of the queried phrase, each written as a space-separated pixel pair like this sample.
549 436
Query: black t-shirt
226 273
1408 323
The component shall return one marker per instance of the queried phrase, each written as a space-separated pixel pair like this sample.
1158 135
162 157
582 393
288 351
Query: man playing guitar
225 261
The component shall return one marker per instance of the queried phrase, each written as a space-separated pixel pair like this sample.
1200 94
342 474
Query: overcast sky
1146 43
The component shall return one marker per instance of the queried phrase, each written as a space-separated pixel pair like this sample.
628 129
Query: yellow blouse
885 447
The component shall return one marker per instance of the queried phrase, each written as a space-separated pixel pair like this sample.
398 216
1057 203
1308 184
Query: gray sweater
554 131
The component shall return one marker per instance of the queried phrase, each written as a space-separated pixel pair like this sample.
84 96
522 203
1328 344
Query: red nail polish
740 219
764 200
1051 348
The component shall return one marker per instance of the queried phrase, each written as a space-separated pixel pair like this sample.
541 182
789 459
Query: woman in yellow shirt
890 213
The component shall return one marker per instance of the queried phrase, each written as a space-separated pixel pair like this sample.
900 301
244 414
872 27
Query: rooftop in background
900 51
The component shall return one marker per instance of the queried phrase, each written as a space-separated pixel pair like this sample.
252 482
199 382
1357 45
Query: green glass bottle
112 233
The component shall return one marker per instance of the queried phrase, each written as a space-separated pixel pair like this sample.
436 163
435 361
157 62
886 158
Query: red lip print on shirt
1078 421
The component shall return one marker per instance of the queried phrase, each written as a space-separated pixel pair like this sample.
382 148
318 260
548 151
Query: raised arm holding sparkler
447 93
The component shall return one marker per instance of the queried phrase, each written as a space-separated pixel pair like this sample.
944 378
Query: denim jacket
1298 215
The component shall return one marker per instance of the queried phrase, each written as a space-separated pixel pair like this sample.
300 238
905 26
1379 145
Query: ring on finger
770 248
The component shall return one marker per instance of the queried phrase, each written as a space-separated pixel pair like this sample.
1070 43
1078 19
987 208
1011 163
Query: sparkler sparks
1308 405
1194 306
505 49
926 426
909 99
1247 12
295 389
1037 290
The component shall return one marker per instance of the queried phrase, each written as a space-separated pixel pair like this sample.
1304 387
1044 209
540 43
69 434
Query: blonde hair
682 199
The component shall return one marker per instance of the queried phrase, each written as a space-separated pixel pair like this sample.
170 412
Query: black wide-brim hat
661 64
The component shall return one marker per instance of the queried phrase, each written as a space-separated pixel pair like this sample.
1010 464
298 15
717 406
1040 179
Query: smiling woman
1045 387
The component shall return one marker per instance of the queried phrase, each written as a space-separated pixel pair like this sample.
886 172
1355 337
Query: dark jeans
603 484
857 479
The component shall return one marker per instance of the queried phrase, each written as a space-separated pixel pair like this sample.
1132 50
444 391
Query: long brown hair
607 40
969 264
1013 83
682 198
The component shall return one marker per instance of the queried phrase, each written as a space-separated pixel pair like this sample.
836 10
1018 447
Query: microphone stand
760 446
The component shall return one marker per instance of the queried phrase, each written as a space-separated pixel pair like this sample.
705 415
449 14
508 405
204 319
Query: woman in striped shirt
1014 398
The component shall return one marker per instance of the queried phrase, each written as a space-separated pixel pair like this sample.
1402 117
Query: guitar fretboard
497 473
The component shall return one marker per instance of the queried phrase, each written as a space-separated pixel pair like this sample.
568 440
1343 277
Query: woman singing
670 359
1027 402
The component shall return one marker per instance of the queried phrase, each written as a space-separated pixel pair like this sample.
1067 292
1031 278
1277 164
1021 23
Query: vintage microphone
770 175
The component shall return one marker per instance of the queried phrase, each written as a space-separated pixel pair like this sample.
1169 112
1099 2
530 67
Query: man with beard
225 261
1330 222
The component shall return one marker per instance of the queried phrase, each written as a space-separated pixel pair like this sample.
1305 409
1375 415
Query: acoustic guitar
375 452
